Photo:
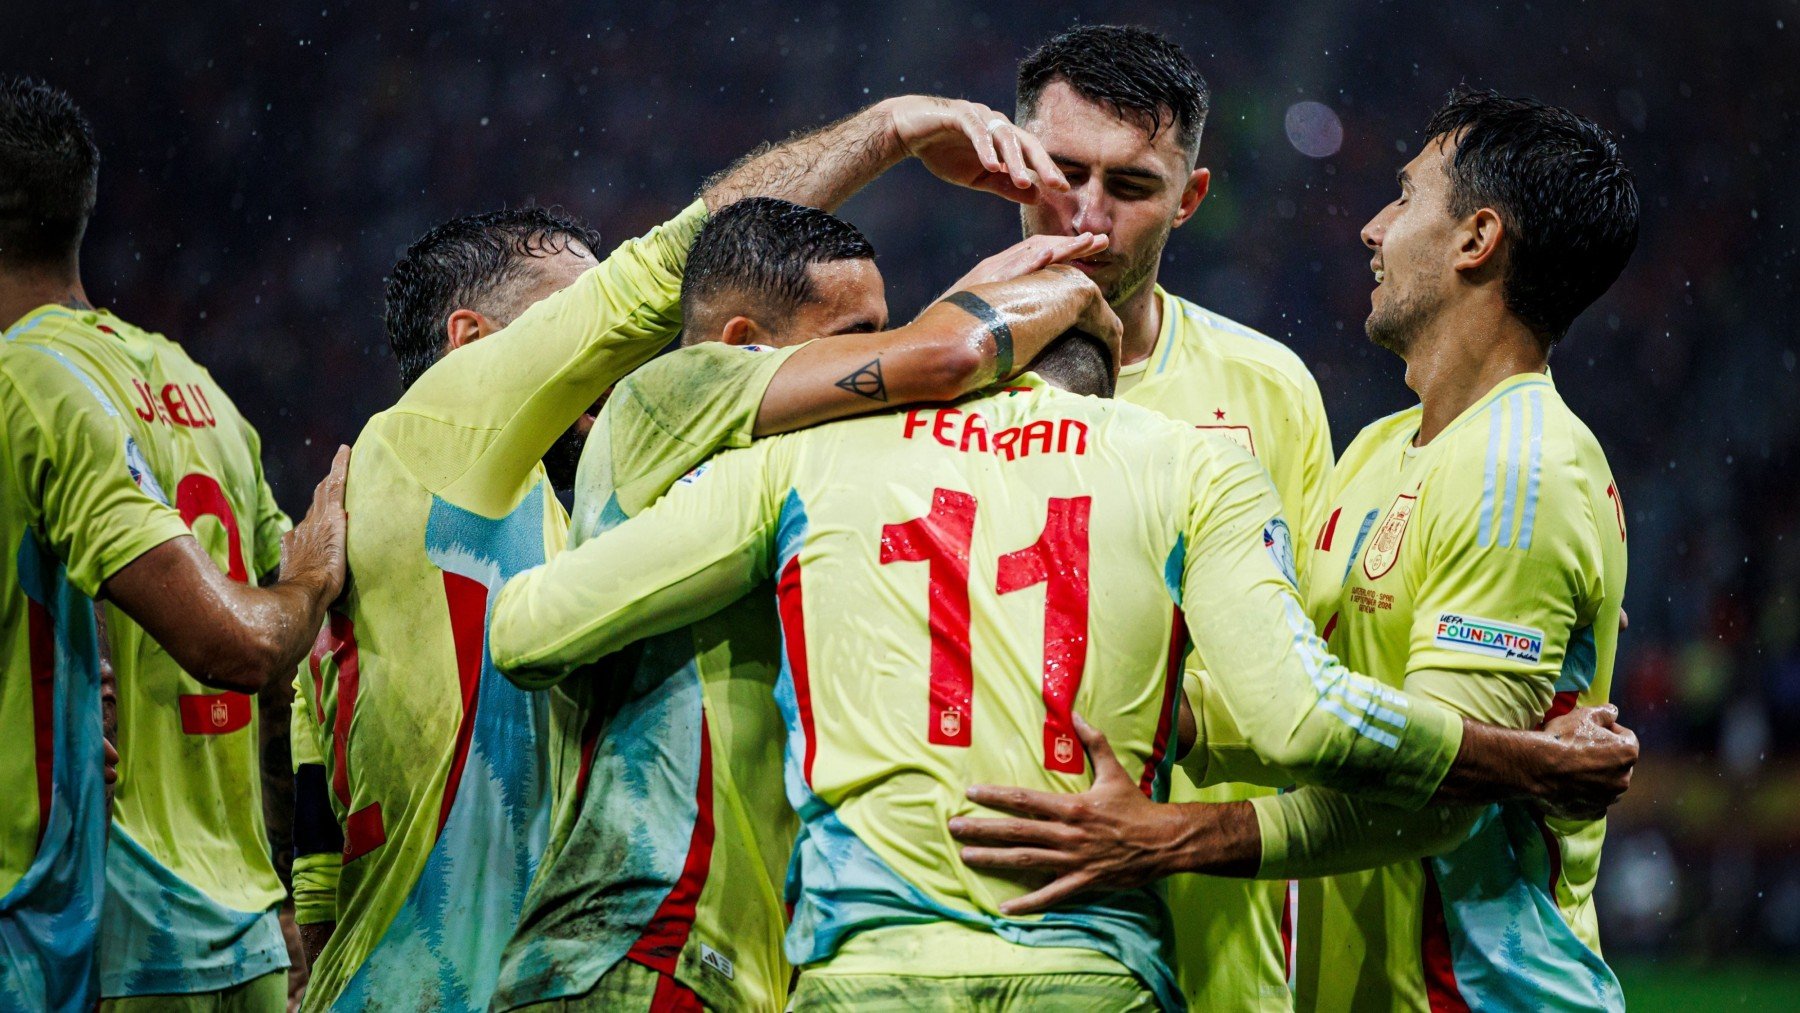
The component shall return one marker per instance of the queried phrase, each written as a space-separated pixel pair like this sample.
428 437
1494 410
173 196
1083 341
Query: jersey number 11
1058 560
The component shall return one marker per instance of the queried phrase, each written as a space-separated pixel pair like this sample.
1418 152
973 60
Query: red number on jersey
942 538
1058 560
197 496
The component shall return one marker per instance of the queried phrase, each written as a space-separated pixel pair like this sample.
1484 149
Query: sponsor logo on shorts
1488 637
694 476
717 961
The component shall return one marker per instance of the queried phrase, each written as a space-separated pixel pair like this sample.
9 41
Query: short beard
1134 278
1397 327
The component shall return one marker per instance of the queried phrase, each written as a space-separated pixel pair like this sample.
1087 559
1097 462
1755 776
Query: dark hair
1077 362
759 250
1136 72
49 173
1563 194
464 263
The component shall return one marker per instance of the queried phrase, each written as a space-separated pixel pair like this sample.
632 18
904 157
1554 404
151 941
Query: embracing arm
965 143
971 339
696 551
238 636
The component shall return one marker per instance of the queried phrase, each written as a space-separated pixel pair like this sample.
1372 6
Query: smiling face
1123 184
1415 240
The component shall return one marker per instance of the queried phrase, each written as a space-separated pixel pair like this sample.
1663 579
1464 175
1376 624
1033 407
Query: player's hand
971 145
1594 767
1109 837
1098 318
314 550
1026 256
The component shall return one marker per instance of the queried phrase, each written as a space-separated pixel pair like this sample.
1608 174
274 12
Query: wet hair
1563 194
49 173
1077 362
1139 74
472 262
758 250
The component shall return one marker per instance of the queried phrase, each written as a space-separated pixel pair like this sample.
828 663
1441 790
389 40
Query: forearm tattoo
997 328
866 381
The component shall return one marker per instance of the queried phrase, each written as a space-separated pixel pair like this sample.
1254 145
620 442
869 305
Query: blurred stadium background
264 164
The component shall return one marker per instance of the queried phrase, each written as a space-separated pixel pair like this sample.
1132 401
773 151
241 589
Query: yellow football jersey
947 580
1221 377
191 888
1485 571
676 781
72 514
437 765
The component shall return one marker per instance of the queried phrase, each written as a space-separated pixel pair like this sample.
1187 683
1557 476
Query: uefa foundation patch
1488 637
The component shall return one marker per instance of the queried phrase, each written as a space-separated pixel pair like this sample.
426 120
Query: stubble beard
1397 326
1137 273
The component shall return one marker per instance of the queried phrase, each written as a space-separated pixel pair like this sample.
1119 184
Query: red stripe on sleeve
793 635
1172 685
660 945
468 620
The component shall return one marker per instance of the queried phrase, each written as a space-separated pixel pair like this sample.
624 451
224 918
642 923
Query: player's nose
1091 215
1372 232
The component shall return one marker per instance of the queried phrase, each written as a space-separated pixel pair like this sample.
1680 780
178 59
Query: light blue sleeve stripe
1484 535
1515 425
1537 465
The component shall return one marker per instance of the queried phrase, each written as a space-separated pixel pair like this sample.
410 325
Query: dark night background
264 164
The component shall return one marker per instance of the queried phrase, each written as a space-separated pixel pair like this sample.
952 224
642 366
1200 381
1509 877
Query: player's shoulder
1238 343
1383 433
1521 462
694 375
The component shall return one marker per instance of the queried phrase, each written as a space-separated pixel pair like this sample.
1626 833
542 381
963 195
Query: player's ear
464 326
744 331
1198 182
1478 240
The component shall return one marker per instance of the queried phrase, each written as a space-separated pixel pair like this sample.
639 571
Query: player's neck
1141 314
1460 357
25 289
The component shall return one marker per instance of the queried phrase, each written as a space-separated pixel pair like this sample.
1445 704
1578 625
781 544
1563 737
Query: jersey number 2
1058 560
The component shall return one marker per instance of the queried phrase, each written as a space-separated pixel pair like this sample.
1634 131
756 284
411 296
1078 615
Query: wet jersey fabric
191 889
935 572
436 764
1224 378
670 834
1484 570
77 504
